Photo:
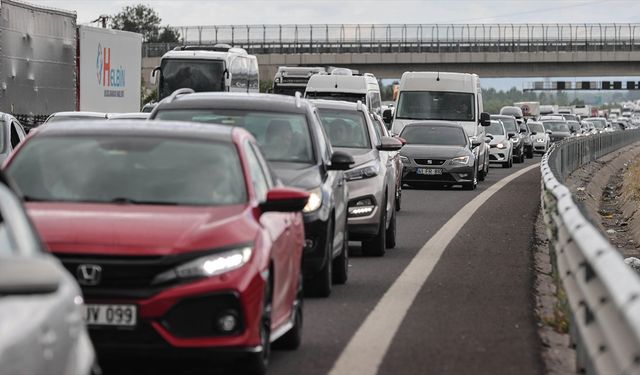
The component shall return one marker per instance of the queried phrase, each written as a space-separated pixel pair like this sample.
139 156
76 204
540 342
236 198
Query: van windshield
199 75
343 96
436 105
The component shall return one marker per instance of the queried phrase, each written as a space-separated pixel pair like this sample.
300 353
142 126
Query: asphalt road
474 314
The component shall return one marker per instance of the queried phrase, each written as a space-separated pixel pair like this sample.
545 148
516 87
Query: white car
540 137
41 307
500 146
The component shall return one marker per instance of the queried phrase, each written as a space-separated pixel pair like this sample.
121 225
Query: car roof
131 115
337 104
146 128
502 116
228 100
79 114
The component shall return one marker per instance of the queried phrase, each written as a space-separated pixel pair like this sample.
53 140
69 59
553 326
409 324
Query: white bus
217 68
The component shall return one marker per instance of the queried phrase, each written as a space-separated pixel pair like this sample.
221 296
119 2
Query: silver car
540 137
500 145
41 316
372 180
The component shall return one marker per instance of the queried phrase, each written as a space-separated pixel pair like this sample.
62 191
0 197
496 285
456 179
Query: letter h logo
106 76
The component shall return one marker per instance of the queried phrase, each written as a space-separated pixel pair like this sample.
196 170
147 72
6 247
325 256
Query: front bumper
498 155
451 174
364 226
540 147
315 255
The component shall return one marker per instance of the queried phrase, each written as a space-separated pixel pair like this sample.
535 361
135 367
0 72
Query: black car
293 141
559 129
515 134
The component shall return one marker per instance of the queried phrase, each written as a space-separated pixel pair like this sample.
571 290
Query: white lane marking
368 346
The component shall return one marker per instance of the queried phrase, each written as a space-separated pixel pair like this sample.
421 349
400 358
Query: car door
335 183
277 225
386 165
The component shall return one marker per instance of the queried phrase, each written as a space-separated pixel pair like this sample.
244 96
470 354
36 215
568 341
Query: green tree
138 19
168 35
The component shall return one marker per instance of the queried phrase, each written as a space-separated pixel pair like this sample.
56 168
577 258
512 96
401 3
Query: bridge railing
379 38
603 292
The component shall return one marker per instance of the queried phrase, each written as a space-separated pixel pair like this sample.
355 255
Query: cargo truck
530 110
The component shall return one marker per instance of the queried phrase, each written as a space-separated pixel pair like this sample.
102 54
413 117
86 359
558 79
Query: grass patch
631 187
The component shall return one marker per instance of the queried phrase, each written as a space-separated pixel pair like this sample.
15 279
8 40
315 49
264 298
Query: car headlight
540 140
461 160
515 140
361 173
315 200
404 159
500 145
209 265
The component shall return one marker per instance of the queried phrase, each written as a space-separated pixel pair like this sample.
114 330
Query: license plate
110 315
429 171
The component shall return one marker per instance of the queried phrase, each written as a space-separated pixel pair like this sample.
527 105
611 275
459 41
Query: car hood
497 139
140 229
433 151
302 176
360 155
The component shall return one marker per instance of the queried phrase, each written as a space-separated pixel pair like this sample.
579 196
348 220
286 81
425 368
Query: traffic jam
196 226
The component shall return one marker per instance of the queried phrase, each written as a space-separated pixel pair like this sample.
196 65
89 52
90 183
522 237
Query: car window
434 135
536 127
556 126
129 169
495 128
345 128
258 178
15 138
509 124
283 137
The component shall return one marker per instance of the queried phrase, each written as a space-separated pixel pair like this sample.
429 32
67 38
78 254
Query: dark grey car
559 129
438 152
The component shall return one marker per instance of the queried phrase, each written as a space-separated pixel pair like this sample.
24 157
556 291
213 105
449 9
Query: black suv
293 141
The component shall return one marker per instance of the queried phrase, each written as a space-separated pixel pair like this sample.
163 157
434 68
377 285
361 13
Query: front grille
126 276
445 177
430 161
301 80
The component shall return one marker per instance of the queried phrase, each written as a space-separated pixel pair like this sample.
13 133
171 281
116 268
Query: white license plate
429 171
110 315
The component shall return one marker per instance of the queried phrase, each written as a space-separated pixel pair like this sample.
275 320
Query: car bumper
315 254
364 226
499 155
450 174
181 320
540 147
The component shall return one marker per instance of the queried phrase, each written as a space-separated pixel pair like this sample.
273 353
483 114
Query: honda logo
89 274
429 162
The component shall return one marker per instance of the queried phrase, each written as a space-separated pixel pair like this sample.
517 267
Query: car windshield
556 126
436 105
434 135
536 127
510 124
598 123
495 128
129 169
283 137
199 75
345 128
342 96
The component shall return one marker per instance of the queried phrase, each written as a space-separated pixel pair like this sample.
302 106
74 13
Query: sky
246 12
226 12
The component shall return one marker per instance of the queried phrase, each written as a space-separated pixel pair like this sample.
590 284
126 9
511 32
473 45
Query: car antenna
438 77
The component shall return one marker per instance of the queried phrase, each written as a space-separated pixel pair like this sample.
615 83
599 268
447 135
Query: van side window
15 138
239 73
254 81
375 104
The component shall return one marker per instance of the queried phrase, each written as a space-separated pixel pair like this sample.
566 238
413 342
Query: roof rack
298 99
220 47
178 92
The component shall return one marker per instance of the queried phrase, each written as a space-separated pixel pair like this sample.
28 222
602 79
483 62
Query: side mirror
548 131
511 135
534 133
153 79
387 116
522 131
490 136
285 200
402 140
340 161
475 143
389 144
485 119
487 139
20 276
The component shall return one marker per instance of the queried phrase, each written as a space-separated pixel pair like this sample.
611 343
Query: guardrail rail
603 292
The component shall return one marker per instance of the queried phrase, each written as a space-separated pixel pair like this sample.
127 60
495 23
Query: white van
342 84
291 79
205 68
455 97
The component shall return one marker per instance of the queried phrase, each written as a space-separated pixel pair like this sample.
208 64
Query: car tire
340 265
391 232
484 172
399 198
471 185
530 153
320 284
293 338
377 245
258 362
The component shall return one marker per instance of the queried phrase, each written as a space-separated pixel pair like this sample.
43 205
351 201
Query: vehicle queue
199 232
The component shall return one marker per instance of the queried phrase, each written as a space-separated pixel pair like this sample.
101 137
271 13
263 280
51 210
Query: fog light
227 322
464 175
309 244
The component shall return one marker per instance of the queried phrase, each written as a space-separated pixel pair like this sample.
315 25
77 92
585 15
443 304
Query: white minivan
455 97
343 84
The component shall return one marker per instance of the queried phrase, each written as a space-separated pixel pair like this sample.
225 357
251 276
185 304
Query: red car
178 235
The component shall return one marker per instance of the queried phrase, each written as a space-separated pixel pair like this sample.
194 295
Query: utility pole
103 20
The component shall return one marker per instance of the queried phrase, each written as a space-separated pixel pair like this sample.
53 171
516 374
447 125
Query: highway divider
603 292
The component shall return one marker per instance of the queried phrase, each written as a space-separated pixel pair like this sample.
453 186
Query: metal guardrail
603 292
419 38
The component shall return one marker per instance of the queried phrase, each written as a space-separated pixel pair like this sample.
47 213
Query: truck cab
203 69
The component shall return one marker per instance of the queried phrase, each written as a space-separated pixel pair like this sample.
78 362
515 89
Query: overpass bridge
491 50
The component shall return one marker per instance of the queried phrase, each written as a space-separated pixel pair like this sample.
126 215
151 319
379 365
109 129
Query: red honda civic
179 236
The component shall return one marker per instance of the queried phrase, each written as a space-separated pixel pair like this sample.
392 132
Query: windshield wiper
125 200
